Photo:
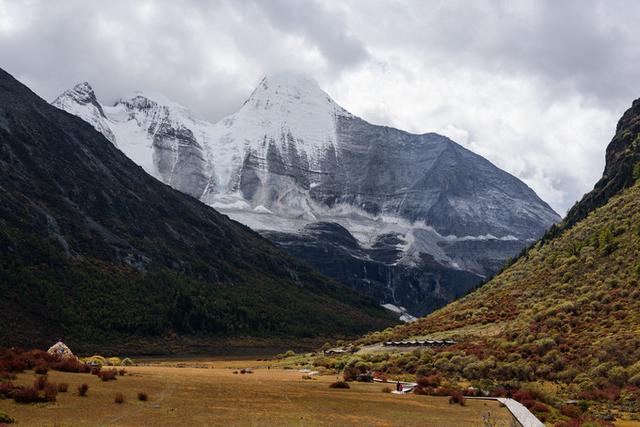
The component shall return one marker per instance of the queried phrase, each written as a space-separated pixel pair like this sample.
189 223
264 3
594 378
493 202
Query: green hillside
561 311
564 316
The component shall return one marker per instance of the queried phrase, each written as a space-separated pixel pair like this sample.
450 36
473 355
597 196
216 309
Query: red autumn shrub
17 364
457 397
539 407
41 368
108 375
51 391
502 392
32 395
610 393
423 391
26 395
571 411
82 390
6 389
63 387
429 381
71 365
41 382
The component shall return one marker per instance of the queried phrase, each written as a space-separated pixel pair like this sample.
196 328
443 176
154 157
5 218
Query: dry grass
214 396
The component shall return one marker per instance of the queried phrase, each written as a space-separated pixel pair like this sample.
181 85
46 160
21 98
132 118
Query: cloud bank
535 86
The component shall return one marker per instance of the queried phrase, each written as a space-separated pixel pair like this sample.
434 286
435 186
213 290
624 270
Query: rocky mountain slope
291 160
569 309
95 250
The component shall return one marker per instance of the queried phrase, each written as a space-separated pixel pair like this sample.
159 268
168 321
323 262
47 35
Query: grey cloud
535 55
589 46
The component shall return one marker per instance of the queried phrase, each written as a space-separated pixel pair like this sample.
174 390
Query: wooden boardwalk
517 409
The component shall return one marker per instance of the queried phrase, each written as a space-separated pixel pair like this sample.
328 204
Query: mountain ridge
291 157
97 250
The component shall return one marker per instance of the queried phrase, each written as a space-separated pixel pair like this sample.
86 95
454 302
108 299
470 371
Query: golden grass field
212 395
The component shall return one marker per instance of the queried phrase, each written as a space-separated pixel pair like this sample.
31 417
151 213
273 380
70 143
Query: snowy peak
287 92
285 110
81 101
82 93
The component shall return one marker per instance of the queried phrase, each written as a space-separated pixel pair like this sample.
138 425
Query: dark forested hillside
92 249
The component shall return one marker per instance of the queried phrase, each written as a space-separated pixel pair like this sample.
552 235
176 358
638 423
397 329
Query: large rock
61 351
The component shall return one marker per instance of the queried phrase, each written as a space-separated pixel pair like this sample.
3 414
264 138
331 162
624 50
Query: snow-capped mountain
413 220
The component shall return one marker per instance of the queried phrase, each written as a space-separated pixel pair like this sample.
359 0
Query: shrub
96 359
41 368
571 411
539 407
10 376
6 389
126 362
635 380
339 384
457 397
71 365
386 389
121 372
28 395
142 396
108 375
41 382
350 373
51 392
82 390
114 361
617 375
429 381
6 419
119 397
63 387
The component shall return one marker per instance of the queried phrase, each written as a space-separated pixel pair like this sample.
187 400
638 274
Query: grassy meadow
210 393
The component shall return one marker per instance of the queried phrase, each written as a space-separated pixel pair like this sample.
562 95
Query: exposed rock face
291 157
420 287
622 167
157 134
82 101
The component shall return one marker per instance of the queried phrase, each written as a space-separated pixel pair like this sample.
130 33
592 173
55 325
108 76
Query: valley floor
198 393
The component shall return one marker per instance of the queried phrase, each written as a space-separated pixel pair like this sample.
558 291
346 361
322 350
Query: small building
334 351
418 343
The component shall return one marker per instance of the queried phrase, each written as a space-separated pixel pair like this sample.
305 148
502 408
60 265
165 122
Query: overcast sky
535 86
